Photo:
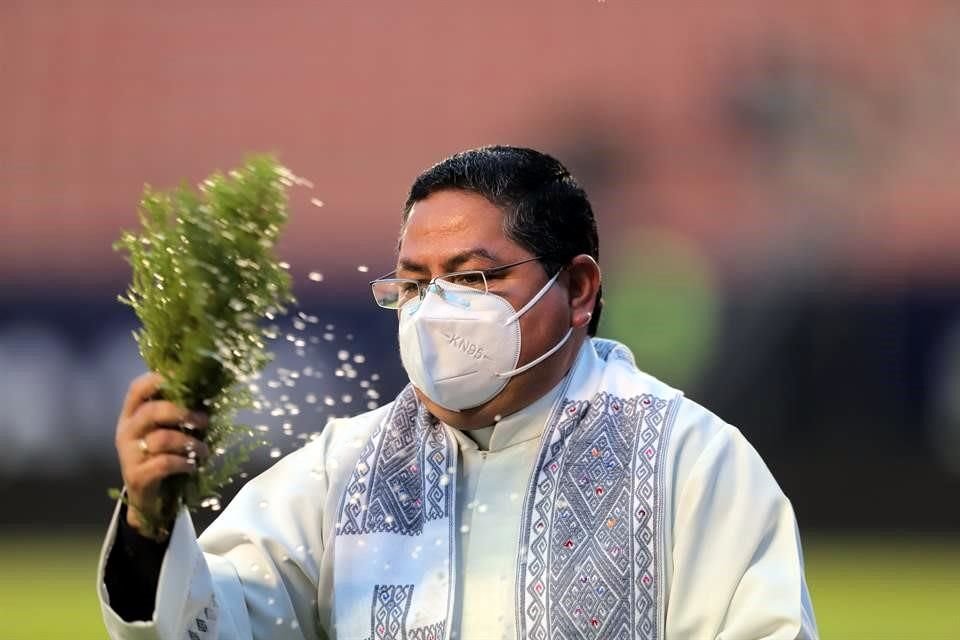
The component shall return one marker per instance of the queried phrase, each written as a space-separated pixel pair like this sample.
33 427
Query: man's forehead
453 227
452 211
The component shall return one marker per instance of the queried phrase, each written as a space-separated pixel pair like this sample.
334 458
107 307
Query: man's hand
150 447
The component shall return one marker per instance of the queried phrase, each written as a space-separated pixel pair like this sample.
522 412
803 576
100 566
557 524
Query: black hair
544 209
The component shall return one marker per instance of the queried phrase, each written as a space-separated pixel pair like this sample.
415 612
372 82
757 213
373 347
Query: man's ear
583 274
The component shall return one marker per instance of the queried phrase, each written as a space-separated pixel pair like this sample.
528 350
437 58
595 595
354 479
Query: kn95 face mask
461 346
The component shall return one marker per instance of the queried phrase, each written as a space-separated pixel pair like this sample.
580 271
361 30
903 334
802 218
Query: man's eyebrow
456 261
452 263
408 265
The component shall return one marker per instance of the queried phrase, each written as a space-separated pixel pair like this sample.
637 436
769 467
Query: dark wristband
133 571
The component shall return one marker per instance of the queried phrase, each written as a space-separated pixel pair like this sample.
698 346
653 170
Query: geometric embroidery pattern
589 524
429 632
398 484
588 563
391 604
391 607
204 622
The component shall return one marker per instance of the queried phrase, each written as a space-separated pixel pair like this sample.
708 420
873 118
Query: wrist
145 527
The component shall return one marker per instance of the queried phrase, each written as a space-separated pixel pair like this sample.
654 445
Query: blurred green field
862 588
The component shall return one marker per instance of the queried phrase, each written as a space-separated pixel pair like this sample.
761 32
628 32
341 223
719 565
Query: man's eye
467 279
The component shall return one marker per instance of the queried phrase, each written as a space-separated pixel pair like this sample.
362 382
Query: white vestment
715 546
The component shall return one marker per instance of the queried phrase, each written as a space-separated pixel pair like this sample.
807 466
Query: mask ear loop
534 300
523 310
536 361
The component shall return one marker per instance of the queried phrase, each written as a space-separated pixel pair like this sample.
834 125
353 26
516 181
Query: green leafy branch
204 275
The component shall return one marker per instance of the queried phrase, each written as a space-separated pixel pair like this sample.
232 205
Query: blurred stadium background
776 186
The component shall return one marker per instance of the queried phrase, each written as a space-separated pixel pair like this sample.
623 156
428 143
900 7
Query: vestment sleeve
737 561
254 572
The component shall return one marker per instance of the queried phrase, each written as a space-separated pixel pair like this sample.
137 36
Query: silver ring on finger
143 446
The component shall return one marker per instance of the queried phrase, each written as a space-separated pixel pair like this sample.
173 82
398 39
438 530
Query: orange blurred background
773 182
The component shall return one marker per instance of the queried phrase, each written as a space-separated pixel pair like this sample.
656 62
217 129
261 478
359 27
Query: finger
170 441
140 390
150 415
196 421
158 467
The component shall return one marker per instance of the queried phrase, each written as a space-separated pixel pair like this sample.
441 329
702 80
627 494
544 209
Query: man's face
458 231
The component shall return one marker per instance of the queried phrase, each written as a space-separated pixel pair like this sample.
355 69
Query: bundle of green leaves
205 275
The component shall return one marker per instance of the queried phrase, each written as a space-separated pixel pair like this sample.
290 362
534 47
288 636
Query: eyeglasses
393 293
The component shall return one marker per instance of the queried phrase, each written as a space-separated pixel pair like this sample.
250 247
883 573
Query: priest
530 482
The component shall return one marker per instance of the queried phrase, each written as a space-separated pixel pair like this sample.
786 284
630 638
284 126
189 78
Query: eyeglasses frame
423 288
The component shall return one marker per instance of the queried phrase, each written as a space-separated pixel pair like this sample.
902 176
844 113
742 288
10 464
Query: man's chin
466 419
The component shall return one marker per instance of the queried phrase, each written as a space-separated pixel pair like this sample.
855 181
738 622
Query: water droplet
464 528
444 480
359 358
482 508
346 398
294 624
254 567
279 620
343 354
317 202
388 519
271 601
497 418
275 452
514 496
363 268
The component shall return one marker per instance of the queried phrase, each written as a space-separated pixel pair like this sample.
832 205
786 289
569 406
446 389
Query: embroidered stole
590 559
